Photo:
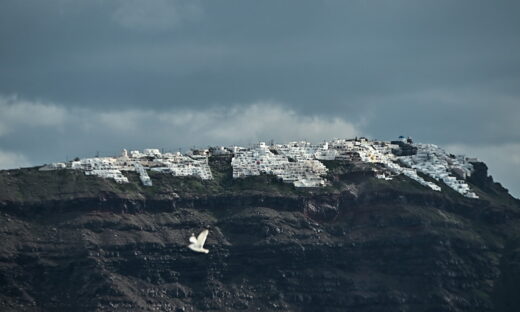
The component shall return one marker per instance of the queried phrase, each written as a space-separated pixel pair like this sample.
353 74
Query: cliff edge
72 242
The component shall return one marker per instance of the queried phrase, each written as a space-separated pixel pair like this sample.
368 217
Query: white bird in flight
197 244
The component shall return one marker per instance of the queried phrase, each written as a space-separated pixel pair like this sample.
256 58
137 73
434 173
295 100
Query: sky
87 77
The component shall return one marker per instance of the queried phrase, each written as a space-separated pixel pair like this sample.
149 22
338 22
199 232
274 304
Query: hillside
72 242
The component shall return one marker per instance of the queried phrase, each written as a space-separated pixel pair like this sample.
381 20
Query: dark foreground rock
76 243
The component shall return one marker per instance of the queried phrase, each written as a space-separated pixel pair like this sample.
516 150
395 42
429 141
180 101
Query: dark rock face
361 245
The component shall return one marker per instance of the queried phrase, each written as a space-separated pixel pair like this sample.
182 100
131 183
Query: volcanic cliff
71 242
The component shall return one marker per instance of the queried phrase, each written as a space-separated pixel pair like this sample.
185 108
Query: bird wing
201 239
193 240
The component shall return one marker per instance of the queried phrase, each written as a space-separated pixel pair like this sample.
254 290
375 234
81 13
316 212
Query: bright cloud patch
238 125
72 132
15 113
10 160
266 120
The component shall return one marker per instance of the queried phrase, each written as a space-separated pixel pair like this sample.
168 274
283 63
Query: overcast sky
81 77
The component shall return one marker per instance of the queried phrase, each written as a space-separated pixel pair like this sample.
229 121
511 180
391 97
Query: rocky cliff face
76 243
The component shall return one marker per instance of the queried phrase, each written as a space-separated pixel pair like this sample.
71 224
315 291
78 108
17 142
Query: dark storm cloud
443 71
301 52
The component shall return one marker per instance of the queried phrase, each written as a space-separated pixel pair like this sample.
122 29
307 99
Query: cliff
72 242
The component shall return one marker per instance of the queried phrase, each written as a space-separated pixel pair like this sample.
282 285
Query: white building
299 163
302 170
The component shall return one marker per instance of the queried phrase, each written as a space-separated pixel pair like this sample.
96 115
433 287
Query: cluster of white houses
299 163
301 171
435 162
137 161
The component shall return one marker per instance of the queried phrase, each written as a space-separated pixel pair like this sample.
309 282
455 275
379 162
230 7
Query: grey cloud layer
156 15
50 132
443 71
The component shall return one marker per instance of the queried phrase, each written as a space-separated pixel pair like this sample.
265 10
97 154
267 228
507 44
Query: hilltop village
299 163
